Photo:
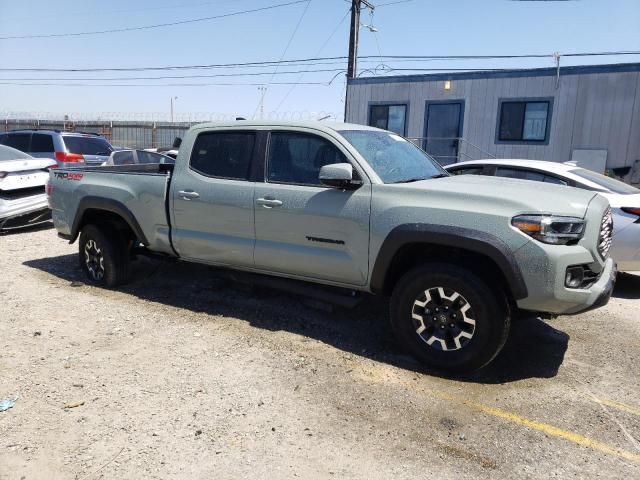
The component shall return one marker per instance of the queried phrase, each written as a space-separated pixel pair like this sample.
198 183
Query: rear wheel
103 255
449 318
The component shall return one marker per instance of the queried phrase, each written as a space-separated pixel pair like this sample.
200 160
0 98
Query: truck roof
318 125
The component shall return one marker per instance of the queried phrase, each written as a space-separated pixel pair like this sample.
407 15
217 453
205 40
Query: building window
389 117
524 121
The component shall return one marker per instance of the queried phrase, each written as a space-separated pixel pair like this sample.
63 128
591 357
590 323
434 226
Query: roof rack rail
36 129
83 133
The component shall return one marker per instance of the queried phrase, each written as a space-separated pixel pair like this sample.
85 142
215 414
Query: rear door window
223 154
87 145
41 143
19 141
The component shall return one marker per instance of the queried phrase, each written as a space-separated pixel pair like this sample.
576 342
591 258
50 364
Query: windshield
393 158
607 183
8 153
88 145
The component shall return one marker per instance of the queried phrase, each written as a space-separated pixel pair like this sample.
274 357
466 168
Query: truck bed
136 192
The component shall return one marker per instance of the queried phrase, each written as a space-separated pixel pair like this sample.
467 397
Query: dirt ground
182 375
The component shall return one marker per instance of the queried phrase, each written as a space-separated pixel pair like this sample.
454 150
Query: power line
286 48
152 84
316 59
335 30
166 77
147 27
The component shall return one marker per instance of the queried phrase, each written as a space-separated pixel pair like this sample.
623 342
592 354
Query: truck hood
479 193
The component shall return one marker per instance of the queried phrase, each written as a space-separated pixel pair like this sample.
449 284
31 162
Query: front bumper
545 280
600 291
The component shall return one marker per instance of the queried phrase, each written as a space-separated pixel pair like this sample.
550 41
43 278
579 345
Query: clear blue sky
418 27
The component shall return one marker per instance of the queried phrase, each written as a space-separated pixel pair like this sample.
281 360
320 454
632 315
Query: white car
23 179
624 199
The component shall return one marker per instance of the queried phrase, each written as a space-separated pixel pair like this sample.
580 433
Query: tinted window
393 158
556 180
19 141
41 142
87 145
224 154
467 171
388 117
151 157
519 173
607 183
125 157
523 121
298 157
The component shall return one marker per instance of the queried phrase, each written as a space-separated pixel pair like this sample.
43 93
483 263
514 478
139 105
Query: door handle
268 202
188 194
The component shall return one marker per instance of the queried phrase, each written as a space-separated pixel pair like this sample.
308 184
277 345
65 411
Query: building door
443 129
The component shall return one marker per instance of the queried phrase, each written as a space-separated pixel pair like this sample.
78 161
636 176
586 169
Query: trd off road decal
69 176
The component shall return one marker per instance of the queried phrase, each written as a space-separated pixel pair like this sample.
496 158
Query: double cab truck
357 208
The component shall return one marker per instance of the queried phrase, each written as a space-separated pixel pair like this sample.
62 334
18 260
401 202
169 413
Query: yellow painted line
547 429
621 406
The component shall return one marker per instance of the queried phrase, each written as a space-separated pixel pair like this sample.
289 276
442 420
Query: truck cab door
305 229
213 200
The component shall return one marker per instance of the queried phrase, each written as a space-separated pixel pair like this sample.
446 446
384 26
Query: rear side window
19 141
297 158
519 173
41 142
223 154
467 171
556 180
87 145
124 157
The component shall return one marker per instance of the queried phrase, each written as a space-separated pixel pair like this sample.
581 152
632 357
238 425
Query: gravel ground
183 375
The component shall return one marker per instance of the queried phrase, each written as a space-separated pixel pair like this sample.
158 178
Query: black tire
103 255
458 353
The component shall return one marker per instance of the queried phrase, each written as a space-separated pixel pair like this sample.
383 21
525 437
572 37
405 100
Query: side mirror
177 142
339 175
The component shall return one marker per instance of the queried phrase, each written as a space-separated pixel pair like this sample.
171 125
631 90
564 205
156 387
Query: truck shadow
533 350
627 286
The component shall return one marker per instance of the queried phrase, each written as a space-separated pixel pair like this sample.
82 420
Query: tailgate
137 197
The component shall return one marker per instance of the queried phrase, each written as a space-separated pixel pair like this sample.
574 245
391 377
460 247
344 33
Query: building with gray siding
590 114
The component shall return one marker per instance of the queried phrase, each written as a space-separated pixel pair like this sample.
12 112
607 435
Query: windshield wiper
411 180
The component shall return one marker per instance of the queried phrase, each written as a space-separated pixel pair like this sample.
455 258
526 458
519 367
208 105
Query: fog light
574 277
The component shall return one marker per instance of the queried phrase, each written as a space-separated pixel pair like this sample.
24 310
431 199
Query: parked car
69 149
357 208
624 199
23 201
135 157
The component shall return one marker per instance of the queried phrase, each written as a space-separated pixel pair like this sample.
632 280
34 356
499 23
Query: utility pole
172 99
352 66
356 7
263 91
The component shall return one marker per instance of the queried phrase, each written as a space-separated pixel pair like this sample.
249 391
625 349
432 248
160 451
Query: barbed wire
164 117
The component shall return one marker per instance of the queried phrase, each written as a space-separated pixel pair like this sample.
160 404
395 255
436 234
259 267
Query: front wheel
449 318
103 255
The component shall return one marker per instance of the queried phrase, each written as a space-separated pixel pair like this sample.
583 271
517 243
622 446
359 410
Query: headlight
550 229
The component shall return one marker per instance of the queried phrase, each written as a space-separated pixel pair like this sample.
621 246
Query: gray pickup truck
352 207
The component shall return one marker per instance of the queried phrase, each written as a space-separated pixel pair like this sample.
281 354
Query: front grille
606 232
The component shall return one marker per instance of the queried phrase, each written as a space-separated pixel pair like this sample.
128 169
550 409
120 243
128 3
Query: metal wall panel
591 110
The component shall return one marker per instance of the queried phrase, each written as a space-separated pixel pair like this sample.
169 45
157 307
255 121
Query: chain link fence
137 130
